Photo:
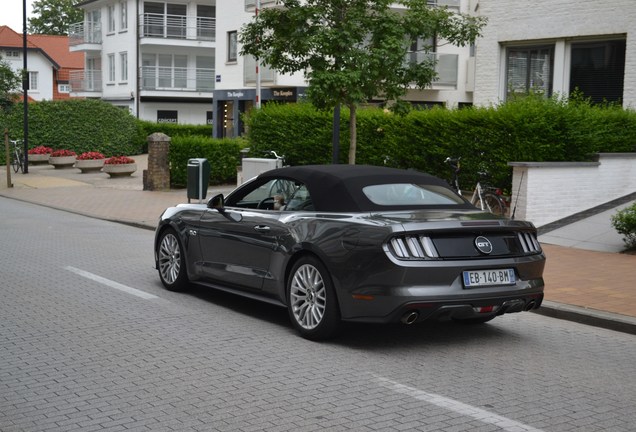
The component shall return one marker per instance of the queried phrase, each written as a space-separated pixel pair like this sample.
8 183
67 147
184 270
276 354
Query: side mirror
216 202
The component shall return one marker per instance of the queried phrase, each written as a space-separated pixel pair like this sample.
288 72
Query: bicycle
17 156
484 197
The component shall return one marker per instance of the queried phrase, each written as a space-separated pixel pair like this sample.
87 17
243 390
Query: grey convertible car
353 243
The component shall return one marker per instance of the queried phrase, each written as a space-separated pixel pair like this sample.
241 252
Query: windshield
408 194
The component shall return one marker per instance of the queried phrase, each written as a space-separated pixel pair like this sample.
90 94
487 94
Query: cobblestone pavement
588 286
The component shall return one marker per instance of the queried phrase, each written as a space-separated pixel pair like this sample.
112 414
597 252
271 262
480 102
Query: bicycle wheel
492 203
18 162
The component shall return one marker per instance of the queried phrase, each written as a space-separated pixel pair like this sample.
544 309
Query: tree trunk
352 134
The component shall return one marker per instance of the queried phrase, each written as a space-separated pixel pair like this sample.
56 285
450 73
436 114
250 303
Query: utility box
198 178
251 167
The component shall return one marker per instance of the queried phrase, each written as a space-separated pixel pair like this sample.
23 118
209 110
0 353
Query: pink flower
41 150
91 155
119 160
62 153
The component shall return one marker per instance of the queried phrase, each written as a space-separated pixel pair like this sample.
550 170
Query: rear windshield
408 194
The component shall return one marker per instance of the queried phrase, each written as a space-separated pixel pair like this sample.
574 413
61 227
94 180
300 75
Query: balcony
445 67
250 5
177 27
86 82
268 76
176 79
451 4
85 36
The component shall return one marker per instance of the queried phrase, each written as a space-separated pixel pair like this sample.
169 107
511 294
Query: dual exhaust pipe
410 317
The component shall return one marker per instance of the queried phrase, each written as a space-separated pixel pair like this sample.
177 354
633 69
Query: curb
592 317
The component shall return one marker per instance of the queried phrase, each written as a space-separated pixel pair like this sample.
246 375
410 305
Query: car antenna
514 209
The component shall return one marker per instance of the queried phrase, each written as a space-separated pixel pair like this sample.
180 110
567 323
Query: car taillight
410 247
529 242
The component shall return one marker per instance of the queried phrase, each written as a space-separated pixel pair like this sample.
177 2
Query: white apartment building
235 88
555 47
154 58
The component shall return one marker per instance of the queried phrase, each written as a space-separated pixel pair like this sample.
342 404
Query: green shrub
527 129
223 155
624 221
80 125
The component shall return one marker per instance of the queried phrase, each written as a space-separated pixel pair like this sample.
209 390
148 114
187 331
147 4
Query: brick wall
545 192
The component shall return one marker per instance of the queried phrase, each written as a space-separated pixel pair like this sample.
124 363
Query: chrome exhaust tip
409 317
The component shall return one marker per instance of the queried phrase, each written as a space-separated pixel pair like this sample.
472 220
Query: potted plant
62 158
119 166
39 154
90 162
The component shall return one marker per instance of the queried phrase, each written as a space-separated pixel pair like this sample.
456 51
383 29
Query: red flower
91 155
119 160
41 150
62 153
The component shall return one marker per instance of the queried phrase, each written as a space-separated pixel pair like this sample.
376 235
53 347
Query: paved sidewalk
587 280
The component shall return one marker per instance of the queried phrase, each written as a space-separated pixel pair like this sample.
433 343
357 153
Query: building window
123 64
33 80
529 70
597 70
111 19
232 46
12 54
63 88
166 116
111 68
123 15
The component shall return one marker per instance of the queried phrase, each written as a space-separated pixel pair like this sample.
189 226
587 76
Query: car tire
312 303
171 262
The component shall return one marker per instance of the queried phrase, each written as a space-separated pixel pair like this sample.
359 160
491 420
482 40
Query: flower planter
89 165
36 159
119 170
62 161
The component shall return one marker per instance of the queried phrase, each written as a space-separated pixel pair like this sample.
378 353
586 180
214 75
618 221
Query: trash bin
198 178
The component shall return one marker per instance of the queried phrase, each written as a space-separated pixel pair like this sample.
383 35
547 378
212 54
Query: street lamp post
25 87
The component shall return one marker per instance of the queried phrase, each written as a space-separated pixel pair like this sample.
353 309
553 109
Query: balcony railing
177 27
268 76
85 33
86 81
452 4
445 66
250 5
158 78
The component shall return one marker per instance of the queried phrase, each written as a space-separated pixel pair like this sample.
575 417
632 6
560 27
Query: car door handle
262 228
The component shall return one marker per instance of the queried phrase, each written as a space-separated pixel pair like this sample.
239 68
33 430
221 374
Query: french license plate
479 278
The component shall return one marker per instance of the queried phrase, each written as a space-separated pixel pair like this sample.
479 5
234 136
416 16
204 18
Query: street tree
10 83
354 50
53 17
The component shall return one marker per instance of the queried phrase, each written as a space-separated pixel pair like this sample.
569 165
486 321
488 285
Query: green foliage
223 155
173 130
529 129
352 51
624 221
53 17
78 125
9 85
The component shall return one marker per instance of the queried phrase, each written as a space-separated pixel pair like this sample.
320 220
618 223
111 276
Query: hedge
223 155
80 125
529 129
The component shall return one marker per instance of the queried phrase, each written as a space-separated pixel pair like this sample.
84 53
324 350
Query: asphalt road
90 341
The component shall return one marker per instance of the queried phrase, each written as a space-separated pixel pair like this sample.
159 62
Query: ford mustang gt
335 243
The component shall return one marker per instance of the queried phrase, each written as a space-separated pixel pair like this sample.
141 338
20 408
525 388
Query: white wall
36 62
516 22
545 192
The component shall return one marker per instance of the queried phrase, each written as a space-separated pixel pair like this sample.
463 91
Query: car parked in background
353 243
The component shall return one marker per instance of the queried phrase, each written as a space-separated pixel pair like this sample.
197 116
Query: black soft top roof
338 188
